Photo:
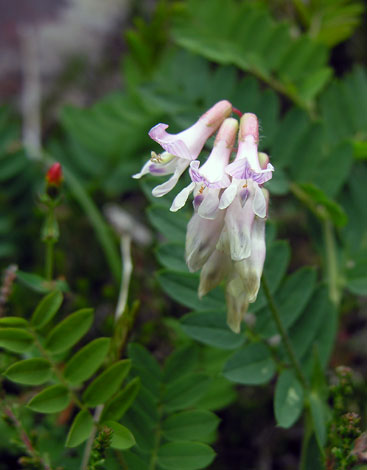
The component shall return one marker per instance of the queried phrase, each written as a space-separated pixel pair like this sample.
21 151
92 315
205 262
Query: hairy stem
283 333
32 452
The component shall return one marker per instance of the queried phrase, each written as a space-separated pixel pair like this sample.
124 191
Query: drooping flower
208 180
239 253
182 148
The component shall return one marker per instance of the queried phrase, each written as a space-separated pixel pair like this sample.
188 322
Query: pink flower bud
54 175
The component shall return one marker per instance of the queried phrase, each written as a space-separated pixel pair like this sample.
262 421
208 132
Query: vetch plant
257 225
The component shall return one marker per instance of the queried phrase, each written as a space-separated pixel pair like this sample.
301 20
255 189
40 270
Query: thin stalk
331 262
306 439
127 268
283 333
89 445
49 262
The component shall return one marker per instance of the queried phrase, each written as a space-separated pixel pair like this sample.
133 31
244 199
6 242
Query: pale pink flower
182 148
208 180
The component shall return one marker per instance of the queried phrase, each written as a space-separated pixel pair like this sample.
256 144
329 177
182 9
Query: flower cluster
226 235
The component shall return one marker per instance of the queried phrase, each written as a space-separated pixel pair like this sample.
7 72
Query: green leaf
122 438
189 425
251 365
211 328
357 275
291 299
117 406
51 400
288 400
13 322
15 339
30 371
47 309
40 284
183 287
185 391
80 430
220 394
69 331
146 367
304 332
170 224
87 361
322 205
185 456
107 383
181 362
172 256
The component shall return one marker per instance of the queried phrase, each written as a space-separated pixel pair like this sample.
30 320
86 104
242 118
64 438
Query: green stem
331 262
49 259
306 439
97 221
57 372
302 13
283 333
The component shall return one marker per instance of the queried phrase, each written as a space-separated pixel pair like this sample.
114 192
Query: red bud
54 175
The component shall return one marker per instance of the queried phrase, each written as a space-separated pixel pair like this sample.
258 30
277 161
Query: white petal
181 198
213 272
208 209
143 171
164 188
201 238
259 202
250 269
237 303
238 223
228 195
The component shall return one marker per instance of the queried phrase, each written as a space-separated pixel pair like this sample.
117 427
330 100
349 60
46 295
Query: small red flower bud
54 175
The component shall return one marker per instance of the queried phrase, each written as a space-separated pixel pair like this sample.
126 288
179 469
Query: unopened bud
227 132
263 160
54 175
249 127
217 113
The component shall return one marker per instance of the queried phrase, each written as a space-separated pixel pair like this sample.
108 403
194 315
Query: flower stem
49 259
331 262
283 333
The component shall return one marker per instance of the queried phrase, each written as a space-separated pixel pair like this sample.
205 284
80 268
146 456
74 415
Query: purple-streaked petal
240 169
170 142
